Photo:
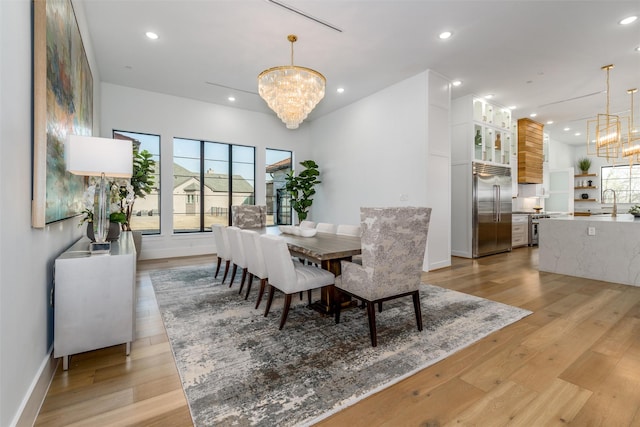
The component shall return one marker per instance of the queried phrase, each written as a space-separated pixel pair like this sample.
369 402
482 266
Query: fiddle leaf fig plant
301 188
142 181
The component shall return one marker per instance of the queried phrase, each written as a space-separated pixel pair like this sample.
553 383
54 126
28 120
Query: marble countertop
601 218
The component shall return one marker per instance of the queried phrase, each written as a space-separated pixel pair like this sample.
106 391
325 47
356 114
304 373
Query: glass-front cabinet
492 132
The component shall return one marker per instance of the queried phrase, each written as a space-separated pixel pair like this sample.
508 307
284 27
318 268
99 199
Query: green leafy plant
142 181
301 188
584 164
114 198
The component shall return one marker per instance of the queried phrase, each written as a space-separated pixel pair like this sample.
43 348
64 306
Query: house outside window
146 211
277 198
209 177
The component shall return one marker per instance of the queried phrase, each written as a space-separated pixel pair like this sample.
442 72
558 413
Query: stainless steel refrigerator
491 209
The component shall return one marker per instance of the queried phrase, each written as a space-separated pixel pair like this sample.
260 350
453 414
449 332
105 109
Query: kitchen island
597 247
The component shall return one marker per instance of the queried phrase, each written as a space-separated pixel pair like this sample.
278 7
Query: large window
278 200
146 211
209 177
624 180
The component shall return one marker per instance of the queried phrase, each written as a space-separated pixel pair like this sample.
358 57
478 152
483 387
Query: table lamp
103 157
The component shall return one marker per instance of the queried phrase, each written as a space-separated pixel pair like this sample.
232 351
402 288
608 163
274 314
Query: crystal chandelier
606 127
632 149
291 91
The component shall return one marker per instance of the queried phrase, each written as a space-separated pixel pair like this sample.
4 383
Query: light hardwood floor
575 360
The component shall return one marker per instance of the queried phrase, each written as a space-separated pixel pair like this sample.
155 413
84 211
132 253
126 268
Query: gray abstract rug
238 369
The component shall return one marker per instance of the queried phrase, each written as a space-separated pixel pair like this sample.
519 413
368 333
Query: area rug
238 369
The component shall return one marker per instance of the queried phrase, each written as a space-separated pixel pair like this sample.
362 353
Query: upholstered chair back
249 216
393 246
282 273
325 227
349 230
222 241
253 252
237 251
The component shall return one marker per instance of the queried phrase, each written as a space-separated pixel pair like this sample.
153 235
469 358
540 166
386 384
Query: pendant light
291 91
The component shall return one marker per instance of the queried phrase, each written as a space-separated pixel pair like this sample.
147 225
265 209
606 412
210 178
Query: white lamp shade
92 156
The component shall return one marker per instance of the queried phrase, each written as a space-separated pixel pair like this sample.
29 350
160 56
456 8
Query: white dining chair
288 276
349 230
325 227
237 255
307 224
255 261
223 251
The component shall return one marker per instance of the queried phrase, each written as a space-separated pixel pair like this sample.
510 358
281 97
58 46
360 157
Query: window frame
201 177
628 195
157 185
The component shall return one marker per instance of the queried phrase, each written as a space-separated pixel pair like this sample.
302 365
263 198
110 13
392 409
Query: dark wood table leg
328 294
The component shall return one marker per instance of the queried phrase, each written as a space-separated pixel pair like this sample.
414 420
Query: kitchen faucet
614 212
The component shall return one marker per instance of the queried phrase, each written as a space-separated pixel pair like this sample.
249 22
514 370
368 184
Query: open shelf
585 200
585 175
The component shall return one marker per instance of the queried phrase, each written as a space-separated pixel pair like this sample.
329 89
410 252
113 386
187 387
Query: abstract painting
63 105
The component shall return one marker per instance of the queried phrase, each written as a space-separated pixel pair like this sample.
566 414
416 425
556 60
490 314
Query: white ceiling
541 56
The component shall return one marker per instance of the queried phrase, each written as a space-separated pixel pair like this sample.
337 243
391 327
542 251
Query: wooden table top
322 246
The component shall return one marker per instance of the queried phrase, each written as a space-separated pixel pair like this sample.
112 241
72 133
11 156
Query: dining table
326 250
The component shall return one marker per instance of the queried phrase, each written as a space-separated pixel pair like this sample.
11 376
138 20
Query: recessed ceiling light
566 129
488 96
549 122
577 134
231 98
533 114
456 83
638 49
340 90
445 35
512 107
628 20
151 35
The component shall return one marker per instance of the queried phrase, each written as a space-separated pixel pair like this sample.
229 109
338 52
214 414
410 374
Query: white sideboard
94 298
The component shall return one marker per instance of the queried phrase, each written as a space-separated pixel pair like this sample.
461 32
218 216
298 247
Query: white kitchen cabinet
561 191
482 131
519 230
94 298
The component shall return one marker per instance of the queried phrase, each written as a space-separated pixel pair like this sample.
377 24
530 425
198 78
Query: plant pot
112 236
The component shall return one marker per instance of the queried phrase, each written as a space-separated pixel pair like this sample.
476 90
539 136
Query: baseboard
34 399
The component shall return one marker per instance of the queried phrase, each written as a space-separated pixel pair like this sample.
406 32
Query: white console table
94 298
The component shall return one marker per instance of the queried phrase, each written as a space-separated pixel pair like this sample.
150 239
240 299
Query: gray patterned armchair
249 216
393 246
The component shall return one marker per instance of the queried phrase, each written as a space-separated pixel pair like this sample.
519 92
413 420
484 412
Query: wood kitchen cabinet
530 152
94 298
520 230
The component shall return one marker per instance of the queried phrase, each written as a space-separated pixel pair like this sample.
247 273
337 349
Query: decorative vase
498 142
478 137
112 236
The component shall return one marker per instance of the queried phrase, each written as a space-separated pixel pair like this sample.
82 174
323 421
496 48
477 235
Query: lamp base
100 248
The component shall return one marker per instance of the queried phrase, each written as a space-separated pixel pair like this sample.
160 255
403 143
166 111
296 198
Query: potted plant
301 188
584 164
142 181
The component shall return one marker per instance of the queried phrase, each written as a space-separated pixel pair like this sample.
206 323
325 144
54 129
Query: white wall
26 254
135 110
375 152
